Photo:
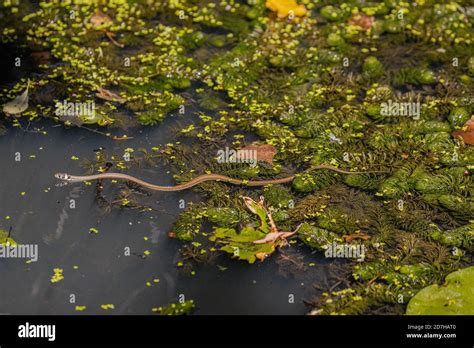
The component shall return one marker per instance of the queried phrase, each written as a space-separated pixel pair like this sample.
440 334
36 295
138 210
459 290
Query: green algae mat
265 90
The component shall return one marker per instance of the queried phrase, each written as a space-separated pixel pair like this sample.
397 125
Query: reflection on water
95 269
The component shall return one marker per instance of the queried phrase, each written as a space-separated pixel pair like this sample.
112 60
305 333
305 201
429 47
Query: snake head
62 176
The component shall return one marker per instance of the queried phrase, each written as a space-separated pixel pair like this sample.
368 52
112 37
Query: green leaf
5 240
455 297
241 245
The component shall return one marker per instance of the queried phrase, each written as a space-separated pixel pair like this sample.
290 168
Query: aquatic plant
180 308
310 79
455 296
5 239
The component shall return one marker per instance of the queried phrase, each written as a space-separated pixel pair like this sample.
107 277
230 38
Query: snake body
67 178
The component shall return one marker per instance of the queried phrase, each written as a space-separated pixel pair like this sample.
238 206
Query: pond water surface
95 269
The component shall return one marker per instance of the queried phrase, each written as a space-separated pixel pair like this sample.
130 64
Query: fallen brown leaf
108 95
99 18
265 152
358 235
362 20
466 133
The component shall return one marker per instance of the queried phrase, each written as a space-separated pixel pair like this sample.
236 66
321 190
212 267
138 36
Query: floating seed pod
372 67
459 116
315 237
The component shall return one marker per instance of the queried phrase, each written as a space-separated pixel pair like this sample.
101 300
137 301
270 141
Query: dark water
105 275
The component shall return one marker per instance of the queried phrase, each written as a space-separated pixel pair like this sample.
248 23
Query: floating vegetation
381 90
181 308
5 238
455 296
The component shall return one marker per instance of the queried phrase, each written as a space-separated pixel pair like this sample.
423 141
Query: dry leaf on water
105 94
466 133
99 18
358 235
264 152
17 105
362 20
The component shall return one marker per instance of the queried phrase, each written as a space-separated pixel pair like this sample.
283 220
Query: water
105 275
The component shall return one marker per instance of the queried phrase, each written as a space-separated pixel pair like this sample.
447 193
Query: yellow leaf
284 8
